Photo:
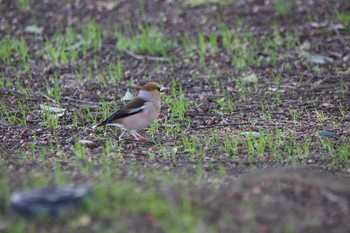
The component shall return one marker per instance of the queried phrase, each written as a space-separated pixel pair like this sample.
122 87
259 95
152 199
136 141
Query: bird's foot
138 136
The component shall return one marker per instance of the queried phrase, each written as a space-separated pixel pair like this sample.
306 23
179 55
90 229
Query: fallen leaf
52 109
251 134
128 96
316 58
34 29
250 78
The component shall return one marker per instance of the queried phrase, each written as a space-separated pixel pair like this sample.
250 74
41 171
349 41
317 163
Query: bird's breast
142 119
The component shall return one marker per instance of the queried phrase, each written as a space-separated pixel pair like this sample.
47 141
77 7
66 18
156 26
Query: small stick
146 58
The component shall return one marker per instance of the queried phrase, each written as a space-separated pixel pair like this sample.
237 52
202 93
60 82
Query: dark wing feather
130 109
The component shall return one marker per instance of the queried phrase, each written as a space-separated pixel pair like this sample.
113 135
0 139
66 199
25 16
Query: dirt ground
314 196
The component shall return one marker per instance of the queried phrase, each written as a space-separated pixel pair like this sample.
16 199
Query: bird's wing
133 107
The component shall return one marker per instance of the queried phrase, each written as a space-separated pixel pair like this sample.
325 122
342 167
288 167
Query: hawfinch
138 113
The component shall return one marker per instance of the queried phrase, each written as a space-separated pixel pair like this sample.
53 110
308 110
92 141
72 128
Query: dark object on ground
49 200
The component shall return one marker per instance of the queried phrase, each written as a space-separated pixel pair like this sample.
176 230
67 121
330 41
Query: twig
49 98
138 141
85 101
237 124
146 58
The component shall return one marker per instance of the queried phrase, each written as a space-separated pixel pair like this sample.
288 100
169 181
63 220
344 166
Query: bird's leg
120 138
139 136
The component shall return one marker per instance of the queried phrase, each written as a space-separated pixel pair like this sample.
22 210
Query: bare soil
270 201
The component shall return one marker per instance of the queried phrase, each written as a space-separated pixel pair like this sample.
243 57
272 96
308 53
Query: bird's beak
163 89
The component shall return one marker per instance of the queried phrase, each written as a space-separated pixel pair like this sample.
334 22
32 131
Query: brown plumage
138 113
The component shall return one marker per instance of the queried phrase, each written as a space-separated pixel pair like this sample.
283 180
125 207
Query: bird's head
153 88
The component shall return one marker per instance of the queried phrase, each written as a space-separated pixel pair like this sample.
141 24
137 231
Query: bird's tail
100 124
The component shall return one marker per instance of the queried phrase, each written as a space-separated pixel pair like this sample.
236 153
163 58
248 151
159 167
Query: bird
139 112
